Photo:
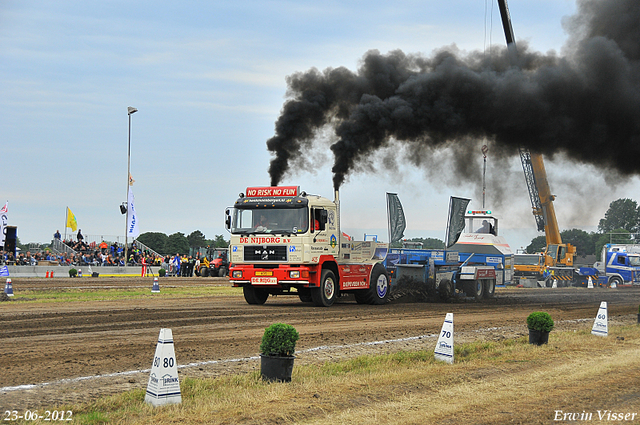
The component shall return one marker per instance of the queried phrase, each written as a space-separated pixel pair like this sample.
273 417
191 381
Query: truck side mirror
227 219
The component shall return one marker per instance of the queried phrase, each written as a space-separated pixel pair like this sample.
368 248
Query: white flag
132 226
4 220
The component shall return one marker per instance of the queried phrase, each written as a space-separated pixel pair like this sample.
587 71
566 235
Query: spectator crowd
84 254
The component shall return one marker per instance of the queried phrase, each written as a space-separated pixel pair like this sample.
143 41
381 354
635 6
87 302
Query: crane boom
506 22
529 176
545 201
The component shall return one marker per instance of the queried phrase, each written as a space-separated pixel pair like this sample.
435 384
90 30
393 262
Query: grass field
119 293
577 375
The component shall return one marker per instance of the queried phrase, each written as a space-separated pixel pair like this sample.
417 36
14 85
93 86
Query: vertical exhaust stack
336 200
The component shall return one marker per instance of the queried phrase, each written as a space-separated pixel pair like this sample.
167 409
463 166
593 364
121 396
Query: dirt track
54 343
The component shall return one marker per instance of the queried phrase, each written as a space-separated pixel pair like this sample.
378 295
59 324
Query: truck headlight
237 274
294 274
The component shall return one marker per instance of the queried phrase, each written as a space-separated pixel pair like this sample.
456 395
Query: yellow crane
557 254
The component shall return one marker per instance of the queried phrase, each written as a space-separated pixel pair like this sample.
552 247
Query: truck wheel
379 285
326 294
489 288
445 289
254 295
222 272
613 279
204 272
474 289
378 292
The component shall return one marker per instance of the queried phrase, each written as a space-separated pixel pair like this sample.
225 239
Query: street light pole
130 110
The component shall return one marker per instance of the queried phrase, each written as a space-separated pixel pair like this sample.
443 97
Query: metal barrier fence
60 247
144 247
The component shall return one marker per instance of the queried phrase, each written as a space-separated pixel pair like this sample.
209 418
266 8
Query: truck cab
620 263
528 265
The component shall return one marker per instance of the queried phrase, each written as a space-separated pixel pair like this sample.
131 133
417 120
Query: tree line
178 243
621 224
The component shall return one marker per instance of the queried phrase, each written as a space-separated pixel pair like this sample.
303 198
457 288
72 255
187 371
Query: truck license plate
264 280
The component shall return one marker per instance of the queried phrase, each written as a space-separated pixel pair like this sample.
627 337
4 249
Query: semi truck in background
619 265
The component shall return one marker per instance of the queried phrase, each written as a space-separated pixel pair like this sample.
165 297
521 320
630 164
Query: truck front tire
253 295
326 294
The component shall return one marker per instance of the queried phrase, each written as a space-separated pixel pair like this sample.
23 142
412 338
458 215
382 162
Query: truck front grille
265 253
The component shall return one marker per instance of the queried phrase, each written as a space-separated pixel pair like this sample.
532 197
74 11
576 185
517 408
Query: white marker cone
156 287
8 288
444 346
601 324
555 283
590 283
614 285
164 385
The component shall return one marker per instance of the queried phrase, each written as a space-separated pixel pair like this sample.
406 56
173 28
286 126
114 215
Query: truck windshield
270 220
552 251
483 224
634 260
527 260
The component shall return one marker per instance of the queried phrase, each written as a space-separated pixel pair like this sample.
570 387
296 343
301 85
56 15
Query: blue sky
208 79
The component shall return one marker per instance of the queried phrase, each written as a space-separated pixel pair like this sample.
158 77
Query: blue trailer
438 273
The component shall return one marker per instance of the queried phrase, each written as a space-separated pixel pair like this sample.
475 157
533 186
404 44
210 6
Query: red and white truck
288 242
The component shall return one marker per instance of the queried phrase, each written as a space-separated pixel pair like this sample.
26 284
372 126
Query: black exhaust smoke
585 104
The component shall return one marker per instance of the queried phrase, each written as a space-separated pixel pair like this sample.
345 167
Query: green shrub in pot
540 321
279 339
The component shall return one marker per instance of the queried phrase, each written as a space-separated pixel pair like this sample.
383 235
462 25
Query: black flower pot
275 368
538 337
